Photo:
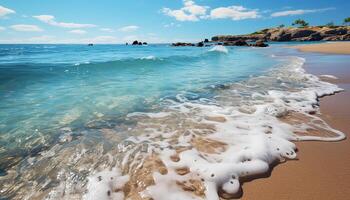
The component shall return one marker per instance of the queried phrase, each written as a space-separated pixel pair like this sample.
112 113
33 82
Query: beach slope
332 48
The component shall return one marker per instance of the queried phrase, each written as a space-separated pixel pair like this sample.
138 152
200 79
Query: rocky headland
278 34
313 33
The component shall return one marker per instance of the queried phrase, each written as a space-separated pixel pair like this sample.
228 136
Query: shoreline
322 169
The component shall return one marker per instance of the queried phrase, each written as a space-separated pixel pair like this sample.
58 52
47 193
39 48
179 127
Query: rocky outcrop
200 44
139 43
182 44
240 42
315 33
259 43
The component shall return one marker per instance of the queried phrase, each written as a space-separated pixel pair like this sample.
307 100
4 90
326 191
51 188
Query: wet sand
322 171
333 48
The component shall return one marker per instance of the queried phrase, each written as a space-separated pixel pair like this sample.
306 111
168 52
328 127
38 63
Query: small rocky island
138 43
278 34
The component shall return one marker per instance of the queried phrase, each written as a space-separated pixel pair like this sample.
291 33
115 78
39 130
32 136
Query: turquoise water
47 88
70 113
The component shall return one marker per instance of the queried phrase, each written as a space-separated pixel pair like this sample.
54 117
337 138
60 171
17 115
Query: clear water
46 88
71 113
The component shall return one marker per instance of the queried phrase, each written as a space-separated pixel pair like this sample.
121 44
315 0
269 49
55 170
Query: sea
83 122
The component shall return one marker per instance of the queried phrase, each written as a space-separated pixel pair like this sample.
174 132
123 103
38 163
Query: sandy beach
322 170
331 48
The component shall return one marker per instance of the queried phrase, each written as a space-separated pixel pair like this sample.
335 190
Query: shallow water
71 111
48 87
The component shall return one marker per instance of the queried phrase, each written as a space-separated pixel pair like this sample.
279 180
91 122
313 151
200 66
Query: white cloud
5 11
78 31
298 12
129 28
234 13
49 19
190 12
2 28
26 28
107 30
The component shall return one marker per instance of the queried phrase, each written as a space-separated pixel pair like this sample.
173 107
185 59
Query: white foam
148 58
219 48
105 185
254 135
328 76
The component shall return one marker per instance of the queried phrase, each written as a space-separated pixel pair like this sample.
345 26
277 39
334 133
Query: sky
154 21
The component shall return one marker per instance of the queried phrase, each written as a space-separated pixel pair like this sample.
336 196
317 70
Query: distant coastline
278 34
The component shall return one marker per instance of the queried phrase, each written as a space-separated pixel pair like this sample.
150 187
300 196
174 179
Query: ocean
80 121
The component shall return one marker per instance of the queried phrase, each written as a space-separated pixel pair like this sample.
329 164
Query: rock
312 33
337 31
181 44
90 44
144 43
206 40
346 37
200 44
260 43
140 43
236 43
135 42
315 37
280 36
300 33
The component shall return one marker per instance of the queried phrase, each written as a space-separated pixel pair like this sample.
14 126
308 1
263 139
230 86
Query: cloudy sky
154 21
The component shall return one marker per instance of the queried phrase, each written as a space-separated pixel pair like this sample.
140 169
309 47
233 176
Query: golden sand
333 48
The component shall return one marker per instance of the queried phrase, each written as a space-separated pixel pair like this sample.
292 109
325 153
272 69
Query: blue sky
155 21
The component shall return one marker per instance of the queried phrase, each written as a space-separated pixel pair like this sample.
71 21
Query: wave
219 48
229 142
207 145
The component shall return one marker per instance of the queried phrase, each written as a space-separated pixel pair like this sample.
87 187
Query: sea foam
219 48
193 148
209 148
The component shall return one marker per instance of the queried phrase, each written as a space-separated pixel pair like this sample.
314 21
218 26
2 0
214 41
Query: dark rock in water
182 44
206 40
140 43
260 43
200 44
144 43
90 44
135 42
236 43
126 43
